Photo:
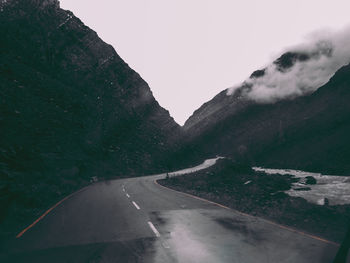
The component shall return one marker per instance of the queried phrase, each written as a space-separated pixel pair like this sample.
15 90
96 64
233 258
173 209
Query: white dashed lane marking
154 229
137 207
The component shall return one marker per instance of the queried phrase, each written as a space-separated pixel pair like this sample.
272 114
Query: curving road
137 220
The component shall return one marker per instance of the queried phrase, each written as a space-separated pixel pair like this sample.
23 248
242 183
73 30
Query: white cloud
327 52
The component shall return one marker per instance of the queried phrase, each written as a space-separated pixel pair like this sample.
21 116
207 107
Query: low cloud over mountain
291 114
301 70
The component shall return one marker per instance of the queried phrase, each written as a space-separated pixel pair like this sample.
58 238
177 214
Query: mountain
70 109
307 132
231 101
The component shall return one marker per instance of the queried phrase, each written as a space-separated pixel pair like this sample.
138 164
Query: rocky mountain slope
70 109
306 132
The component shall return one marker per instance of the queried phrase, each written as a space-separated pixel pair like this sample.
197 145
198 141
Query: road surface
137 220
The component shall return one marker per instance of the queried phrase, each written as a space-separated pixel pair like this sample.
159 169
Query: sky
190 50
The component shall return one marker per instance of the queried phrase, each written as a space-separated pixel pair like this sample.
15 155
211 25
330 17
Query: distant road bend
137 220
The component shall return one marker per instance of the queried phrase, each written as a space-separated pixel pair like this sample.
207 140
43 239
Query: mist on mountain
300 70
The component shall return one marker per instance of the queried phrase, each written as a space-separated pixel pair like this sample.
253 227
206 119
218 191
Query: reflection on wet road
136 220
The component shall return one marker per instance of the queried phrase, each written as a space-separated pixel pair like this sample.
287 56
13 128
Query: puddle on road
220 236
240 227
183 244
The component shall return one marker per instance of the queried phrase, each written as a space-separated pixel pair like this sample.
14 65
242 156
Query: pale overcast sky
189 50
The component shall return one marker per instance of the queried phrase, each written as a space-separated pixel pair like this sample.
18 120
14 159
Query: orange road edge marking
244 214
46 212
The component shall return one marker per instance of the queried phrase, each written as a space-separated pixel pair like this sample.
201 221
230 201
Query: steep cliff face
311 132
70 107
63 76
307 132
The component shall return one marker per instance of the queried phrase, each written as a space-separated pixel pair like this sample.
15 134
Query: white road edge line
137 207
154 229
127 195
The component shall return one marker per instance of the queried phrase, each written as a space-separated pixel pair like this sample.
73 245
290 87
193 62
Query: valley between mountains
80 129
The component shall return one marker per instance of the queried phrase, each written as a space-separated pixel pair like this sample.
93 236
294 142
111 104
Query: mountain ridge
71 110
281 134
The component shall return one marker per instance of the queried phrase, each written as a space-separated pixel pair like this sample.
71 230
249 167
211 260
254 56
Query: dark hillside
70 109
309 132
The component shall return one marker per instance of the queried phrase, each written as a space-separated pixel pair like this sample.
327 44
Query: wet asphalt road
136 220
